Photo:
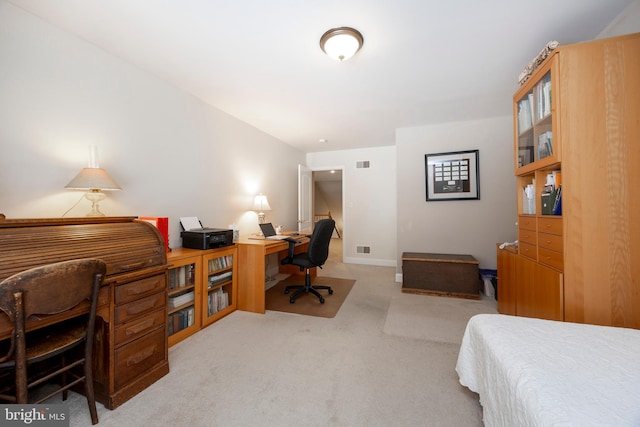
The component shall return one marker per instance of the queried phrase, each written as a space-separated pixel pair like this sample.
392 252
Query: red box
162 224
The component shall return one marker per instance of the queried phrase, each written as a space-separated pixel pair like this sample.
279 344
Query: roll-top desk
131 333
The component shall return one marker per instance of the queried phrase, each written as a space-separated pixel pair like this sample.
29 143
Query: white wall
172 154
627 22
470 227
369 208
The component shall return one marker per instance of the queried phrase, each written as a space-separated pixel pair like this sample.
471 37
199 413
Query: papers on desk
190 223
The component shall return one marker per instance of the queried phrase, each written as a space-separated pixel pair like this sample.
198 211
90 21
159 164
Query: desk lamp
94 180
261 204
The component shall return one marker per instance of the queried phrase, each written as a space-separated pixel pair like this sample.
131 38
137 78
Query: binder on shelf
557 204
552 202
546 202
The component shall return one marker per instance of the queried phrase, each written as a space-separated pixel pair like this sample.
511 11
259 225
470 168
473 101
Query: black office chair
29 299
315 256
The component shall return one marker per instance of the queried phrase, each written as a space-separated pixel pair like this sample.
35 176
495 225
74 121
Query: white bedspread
532 372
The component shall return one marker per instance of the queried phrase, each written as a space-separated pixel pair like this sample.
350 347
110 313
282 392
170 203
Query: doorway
328 198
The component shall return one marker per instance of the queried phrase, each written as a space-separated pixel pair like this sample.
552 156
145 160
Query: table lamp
94 180
261 204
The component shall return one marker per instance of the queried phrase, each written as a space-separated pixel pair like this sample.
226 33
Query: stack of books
178 300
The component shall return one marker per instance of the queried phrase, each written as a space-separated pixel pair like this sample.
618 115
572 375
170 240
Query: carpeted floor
308 304
441 319
378 362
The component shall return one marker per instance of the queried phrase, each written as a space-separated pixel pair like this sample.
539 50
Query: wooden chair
318 217
32 300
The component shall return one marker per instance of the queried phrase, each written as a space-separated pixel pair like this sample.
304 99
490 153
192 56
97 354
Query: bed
533 372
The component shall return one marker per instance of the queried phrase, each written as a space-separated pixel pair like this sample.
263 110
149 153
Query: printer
206 238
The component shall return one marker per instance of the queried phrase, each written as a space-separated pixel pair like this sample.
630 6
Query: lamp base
95 196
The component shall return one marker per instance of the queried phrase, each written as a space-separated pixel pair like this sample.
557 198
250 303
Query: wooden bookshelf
195 301
577 118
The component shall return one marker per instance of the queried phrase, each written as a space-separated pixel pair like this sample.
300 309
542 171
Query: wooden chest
441 274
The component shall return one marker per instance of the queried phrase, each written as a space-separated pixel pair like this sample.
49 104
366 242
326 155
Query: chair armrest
292 246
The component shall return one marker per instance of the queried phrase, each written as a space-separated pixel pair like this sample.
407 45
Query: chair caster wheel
330 291
321 300
292 300
286 291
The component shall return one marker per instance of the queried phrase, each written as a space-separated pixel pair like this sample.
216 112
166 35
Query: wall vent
363 249
363 164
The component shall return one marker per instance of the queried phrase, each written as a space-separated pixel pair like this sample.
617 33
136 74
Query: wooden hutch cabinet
577 133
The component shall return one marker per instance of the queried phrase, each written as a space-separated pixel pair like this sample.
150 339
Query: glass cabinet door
219 284
534 105
182 298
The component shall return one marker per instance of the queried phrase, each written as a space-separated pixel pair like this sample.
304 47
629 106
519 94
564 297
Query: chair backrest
50 289
319 242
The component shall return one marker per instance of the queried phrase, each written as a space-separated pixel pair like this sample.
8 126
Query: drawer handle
145 354
142 289
140 307
141 326
131 266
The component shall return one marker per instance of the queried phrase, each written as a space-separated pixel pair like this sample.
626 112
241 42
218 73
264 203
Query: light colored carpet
363 367
433 318
309 304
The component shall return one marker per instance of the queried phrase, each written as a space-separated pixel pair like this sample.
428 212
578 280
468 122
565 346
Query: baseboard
369 261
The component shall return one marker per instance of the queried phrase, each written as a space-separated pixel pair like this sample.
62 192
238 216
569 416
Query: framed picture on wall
452 176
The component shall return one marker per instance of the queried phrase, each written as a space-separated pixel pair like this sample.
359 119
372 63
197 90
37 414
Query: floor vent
363 249
364 164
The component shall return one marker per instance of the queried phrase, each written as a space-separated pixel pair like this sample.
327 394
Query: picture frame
452 176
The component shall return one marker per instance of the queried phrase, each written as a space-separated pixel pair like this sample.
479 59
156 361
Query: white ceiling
423 61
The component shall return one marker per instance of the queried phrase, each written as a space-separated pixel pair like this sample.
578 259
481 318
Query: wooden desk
251 271
130 350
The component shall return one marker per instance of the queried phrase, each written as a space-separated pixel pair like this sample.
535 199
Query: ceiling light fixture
341 43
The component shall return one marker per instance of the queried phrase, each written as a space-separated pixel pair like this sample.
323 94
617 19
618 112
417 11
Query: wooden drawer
139 288
551 225
552 242
139 356
528 250
527 222
551 258
132 330
527 236
135 309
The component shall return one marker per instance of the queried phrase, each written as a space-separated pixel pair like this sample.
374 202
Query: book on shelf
543 99
219 278
178 300
545 145
181 320
182 276
220 263
525 113
217 300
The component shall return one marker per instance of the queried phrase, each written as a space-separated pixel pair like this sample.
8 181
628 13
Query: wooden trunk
441 274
